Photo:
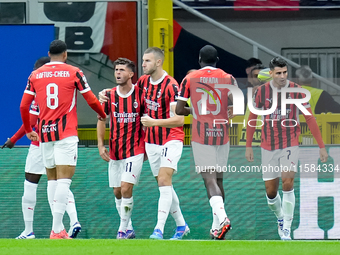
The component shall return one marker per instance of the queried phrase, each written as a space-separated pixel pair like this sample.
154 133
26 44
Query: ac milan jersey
55 86
126 130
159 96
278 131
209 100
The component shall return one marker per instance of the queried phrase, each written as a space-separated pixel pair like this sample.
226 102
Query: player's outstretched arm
94 103
249 154
231 112
33 136
314 128
250 129
249 134
102 96
103 152
25 116
182 109
20 133
174 121
8 144
323 155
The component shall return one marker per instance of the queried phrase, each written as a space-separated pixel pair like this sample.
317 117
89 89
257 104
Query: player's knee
126 189
220 182
164 181
117 193
271 193
209 181
287 184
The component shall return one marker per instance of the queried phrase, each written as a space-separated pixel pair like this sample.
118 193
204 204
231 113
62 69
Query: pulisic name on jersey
55 74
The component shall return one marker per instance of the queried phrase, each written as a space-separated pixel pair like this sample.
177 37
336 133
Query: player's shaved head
208 55
57 47
158 53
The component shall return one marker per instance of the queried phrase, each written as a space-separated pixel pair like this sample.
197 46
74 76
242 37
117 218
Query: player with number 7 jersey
55 86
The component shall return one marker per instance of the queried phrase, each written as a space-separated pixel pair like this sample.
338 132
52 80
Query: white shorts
125 170
166 155
210 156
34 162
277 161
62 152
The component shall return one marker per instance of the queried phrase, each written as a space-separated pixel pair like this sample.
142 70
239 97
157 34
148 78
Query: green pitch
123 247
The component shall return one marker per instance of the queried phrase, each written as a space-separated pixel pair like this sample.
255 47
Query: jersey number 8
52 96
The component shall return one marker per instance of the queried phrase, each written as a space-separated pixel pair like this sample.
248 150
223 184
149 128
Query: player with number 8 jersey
55 86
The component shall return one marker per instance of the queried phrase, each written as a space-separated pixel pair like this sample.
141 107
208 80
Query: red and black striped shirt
126 130
207 87
159 97
55 85
278 131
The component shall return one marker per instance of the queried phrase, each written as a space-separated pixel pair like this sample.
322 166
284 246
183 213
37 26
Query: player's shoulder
144 77
143 81
262 87
72 68
33 74
192 75
169 83
112 90
136 88
293 85
265 85
170 80
223 74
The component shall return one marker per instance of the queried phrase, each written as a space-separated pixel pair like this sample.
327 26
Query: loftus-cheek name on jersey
209 80
49 128
151 104
53 74
125 117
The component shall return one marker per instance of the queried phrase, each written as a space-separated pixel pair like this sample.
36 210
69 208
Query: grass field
122 247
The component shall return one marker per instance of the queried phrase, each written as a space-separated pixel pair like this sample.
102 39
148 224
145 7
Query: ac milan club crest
135 104
159 94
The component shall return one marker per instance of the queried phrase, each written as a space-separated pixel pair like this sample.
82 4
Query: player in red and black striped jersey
275 135
125 105
164 137
159 97
212 79
34 168
126 132
208 94
279 142
55 86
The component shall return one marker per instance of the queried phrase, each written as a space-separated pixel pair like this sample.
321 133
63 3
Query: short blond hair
156 51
